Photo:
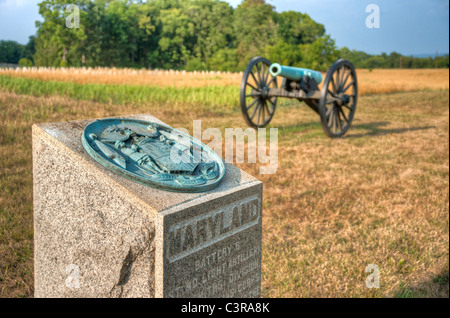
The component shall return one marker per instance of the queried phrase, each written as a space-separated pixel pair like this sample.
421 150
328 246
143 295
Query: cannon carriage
335 101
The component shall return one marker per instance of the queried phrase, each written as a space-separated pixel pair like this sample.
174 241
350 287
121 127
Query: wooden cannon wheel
257 107
339 96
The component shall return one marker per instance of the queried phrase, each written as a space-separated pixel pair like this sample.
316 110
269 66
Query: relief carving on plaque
153 154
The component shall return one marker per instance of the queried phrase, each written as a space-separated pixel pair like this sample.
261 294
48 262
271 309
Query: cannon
335 101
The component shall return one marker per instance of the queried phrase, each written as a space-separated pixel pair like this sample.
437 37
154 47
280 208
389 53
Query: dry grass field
128 76
378 196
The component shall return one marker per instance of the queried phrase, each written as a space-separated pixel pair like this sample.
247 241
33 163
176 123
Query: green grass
437 286
209 96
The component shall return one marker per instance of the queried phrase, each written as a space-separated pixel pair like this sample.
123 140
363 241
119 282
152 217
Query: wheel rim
339 98
257 107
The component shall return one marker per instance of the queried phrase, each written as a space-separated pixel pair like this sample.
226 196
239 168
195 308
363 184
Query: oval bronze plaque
153 154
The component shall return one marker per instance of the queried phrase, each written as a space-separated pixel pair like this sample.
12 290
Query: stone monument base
98 234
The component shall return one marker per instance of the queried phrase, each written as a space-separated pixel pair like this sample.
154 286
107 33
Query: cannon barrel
294 73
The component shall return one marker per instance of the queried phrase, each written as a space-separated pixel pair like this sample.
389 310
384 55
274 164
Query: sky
409 27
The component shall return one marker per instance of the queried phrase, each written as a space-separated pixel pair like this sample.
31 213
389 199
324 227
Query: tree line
393 60
185 34
178 34
12 52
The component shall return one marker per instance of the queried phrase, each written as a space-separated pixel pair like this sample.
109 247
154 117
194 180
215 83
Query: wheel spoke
254 111
334 121
271 81
257 89
267 110
346 78
259 75
330 117
259 112
254 78
332 94
253 103
263 112
343 115
337 82
270 109
331 101
351 108
339 122
334 87
266 78
329 111
341 76
263 73
348 86
273 107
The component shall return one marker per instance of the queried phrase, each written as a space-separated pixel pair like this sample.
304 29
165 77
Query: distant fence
8 65
112 70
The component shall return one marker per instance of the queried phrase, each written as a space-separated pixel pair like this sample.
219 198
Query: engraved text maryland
199 232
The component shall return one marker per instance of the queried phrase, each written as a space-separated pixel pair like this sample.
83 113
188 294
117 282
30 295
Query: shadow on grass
437 287
311 130
375 129
300 127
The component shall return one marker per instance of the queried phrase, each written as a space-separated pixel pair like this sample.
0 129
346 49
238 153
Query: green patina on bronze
153 154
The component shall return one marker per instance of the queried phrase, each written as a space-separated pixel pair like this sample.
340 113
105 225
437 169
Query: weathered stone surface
98 234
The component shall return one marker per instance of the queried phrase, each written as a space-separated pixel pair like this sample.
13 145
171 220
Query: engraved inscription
230 271
200 232
216 254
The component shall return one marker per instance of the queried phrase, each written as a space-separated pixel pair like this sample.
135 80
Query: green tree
298 28
224 60
356 57
148 48
374 62
320 54
443 61
190 34
30 48
122 28
177 34
57 44
213 28
255 28
24 62
284 53
394 60
10 52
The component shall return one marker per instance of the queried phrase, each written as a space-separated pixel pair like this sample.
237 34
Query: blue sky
409 27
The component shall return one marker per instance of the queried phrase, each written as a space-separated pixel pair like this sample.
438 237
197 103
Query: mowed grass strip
207 96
